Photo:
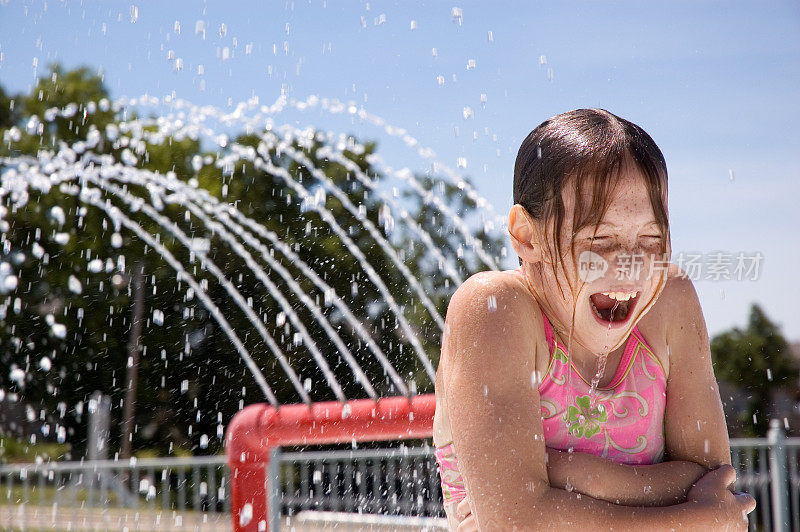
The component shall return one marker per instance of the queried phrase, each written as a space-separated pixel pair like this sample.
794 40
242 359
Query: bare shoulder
488 326
502 291
678 303
676 312
492 409
495 307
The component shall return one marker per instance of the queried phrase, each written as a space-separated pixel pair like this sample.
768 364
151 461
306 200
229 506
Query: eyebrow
601 224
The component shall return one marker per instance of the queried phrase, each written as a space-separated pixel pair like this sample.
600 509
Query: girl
564 385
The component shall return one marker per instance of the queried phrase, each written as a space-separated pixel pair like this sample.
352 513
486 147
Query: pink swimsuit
624 423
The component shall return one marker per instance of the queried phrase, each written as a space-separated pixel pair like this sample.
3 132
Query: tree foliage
65 326
757 360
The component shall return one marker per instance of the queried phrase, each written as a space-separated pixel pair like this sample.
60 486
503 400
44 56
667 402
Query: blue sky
714 83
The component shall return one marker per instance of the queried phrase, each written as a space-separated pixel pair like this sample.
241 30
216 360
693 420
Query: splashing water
76 171
613 309
602 358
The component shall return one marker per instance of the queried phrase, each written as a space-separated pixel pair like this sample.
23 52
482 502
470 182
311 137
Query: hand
466 521
726 510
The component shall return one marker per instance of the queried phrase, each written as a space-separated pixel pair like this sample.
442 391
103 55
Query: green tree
7 113
757 360
66 324
78 91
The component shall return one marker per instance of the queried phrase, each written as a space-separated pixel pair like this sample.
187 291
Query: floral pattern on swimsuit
623 422
452 482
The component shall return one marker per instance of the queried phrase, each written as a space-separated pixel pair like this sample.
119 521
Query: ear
525 233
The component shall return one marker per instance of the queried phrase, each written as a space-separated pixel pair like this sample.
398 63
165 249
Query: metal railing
397 481
156 493
401 484
767 469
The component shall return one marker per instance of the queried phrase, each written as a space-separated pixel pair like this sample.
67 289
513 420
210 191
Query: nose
629 262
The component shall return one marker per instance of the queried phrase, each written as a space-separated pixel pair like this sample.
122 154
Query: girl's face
615 273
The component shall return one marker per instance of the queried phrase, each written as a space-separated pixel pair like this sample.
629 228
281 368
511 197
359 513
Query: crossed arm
486 372
662 484
696 434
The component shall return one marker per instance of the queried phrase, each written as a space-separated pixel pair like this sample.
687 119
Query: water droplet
17 375
204 441
59 330
45 364
134 14
10 283
57 215
158 317
457 15
95 266
246 515
492 303
74 285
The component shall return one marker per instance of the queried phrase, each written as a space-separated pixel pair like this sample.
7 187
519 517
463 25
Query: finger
747 501
468 525
463 509
725 473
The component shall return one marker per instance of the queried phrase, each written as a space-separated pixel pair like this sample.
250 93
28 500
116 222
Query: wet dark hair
587 147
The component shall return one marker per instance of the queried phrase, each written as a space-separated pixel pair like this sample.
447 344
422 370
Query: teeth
620 296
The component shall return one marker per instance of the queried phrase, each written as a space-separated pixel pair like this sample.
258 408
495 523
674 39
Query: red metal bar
257 429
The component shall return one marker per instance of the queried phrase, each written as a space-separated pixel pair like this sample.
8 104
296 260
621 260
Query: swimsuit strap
552 343
548 334
548 329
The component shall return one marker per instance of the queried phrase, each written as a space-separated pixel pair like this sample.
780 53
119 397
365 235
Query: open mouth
613 307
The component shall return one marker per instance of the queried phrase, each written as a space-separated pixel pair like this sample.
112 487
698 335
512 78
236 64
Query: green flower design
583 421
